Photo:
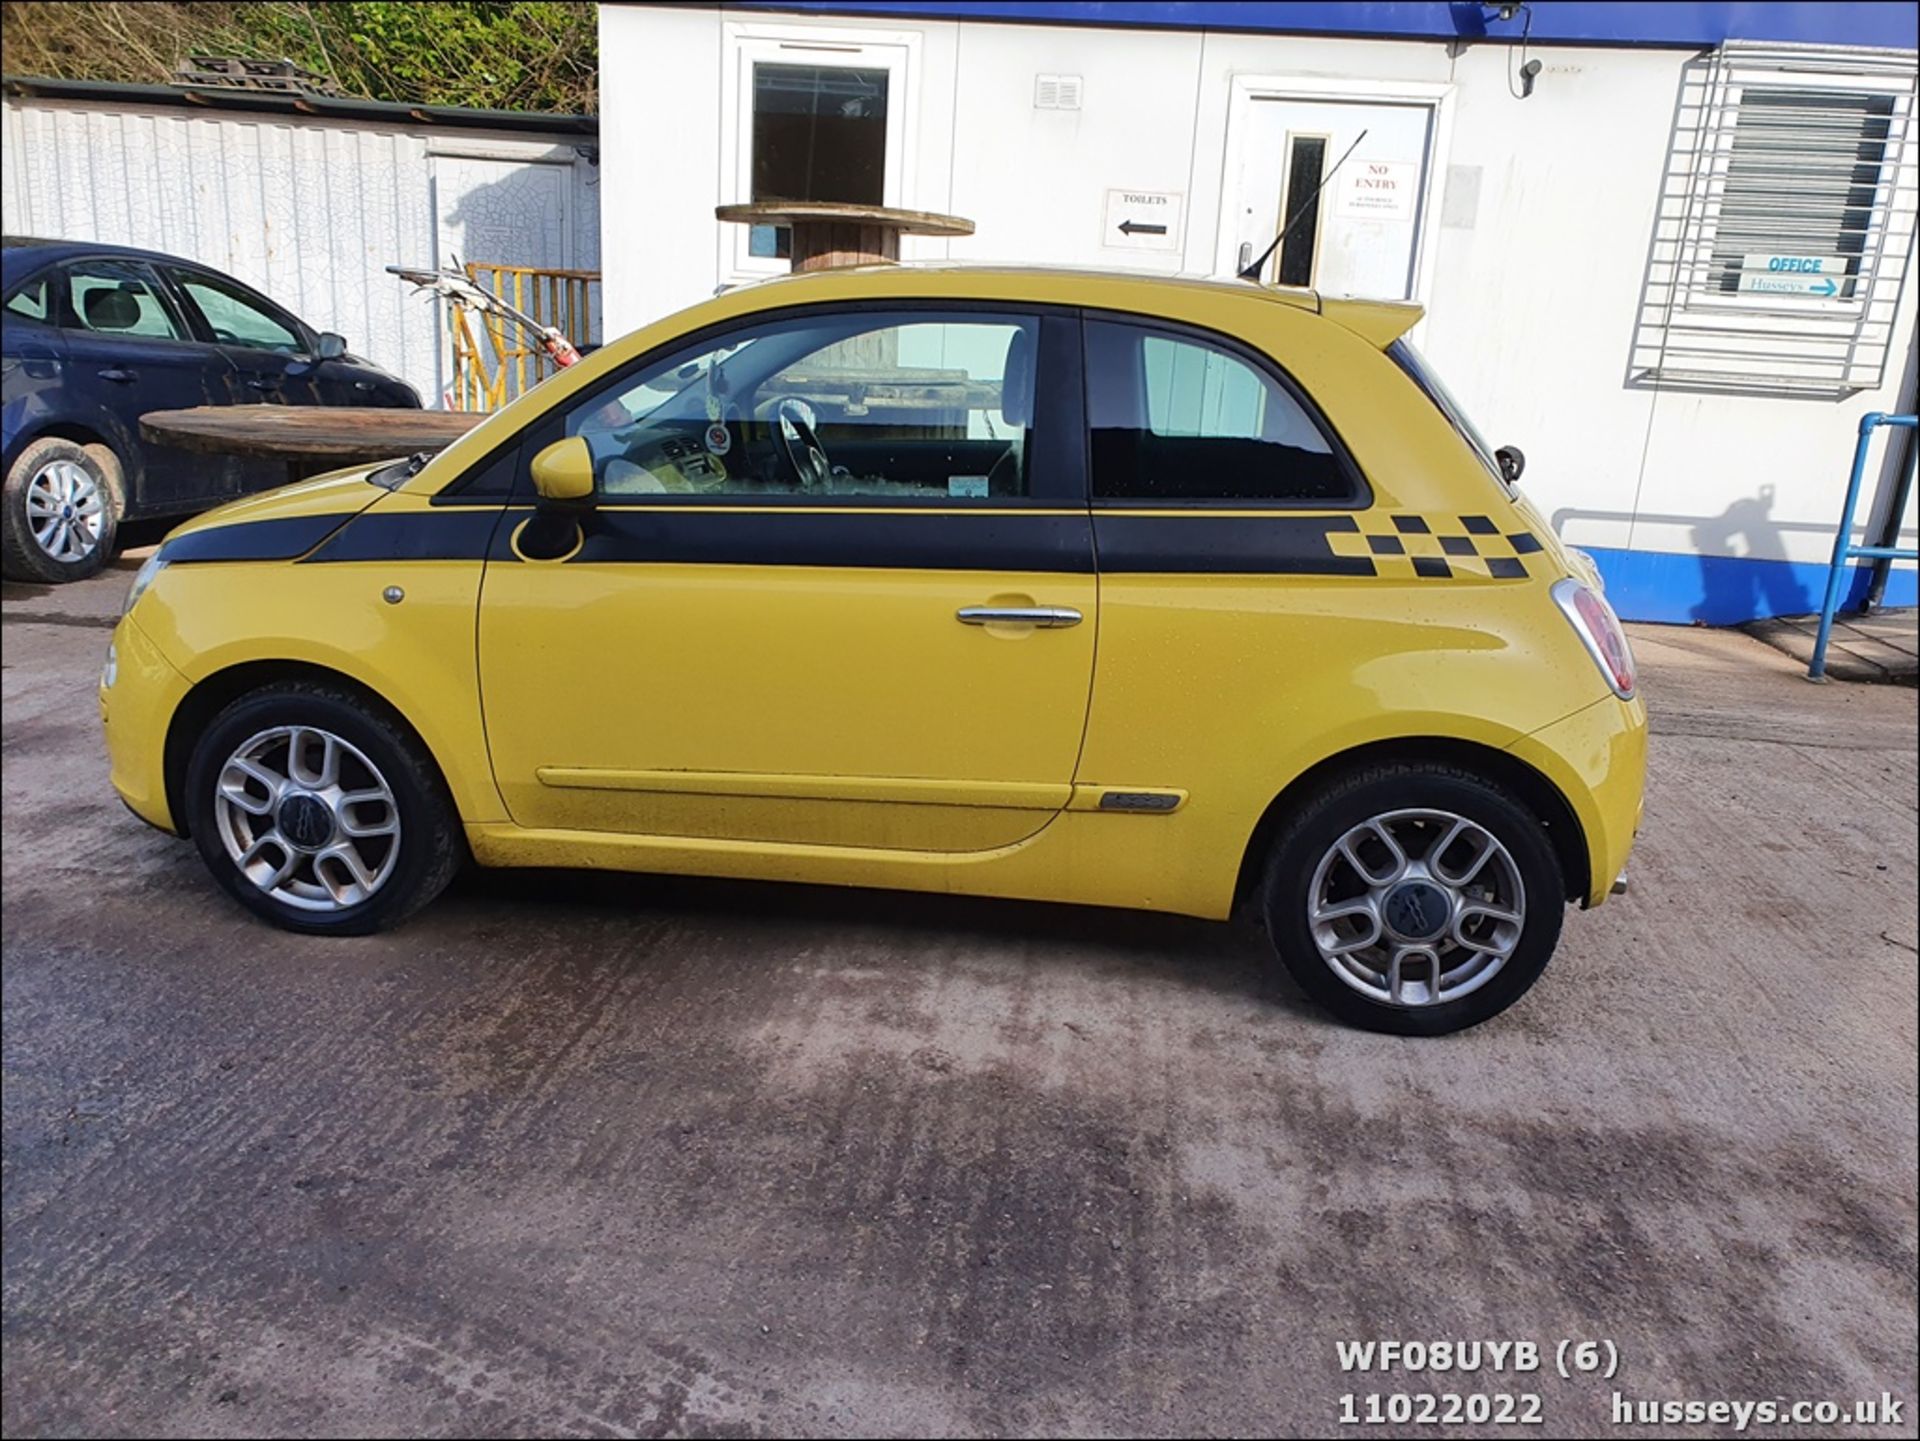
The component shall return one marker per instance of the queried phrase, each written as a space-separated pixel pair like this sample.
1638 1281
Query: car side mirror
563 472
1513 462
329 346
563 479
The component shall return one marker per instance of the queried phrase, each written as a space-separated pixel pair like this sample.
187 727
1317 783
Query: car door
32 354
269 351
755 640
130 351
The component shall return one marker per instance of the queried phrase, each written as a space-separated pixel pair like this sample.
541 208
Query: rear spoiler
1378 322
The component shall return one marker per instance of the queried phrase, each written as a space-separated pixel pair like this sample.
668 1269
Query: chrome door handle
1047 617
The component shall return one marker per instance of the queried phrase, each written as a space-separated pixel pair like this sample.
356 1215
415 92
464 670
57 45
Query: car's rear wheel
1415 899
321 811
59 512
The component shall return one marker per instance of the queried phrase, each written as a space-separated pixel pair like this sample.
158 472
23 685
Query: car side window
235 318
29 302
112 297
1176 418
908 405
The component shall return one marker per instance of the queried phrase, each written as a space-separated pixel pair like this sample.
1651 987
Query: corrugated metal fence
309 212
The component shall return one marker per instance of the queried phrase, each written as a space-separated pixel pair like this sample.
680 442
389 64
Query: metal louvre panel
1803 153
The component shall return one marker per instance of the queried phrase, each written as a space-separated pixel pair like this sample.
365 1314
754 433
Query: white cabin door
1361 234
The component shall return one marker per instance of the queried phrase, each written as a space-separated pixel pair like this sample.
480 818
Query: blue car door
270 351
130 351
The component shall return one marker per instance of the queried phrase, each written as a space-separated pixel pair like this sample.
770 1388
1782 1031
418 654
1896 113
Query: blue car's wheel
62 504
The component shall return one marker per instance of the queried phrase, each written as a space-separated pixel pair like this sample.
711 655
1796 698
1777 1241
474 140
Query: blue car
94 337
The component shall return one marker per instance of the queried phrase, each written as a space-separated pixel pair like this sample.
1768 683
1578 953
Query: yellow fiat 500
1077 587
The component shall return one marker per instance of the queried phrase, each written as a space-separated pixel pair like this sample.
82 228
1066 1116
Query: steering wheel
800 448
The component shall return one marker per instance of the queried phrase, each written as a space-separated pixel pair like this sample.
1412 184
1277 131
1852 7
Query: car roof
1380 322
28 247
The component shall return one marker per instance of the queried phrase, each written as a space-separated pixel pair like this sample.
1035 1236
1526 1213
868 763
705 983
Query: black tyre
60 510
1414 899
319 810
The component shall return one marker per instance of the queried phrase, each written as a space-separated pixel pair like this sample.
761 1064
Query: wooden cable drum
828 235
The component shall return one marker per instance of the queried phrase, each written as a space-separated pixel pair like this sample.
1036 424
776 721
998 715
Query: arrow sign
1143 220
1788 274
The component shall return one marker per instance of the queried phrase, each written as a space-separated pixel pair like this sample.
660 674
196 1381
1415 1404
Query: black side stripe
439 535
948 541
282 539
1127 542
1225 545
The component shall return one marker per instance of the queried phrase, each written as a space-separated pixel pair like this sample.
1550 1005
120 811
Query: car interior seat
114 309
1016 408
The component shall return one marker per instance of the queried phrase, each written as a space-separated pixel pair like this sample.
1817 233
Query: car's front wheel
59 511
321 811
1416 899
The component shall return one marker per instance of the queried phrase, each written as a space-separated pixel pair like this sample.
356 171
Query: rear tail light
1599 630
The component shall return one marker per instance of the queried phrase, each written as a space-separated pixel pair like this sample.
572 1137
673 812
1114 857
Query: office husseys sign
1821 275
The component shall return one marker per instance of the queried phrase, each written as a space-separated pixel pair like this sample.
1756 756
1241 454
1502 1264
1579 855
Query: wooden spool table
309 438
827 235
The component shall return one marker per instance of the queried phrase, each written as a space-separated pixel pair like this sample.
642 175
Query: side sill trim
898 790
1128 800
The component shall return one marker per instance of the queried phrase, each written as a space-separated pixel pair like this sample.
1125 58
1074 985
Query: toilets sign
1821 275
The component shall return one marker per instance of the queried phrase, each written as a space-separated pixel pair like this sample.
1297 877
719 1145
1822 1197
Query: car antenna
1252 272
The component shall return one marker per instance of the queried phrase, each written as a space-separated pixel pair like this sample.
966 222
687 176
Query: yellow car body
780 690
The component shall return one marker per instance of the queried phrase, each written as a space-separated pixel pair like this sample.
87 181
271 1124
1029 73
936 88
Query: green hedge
514 55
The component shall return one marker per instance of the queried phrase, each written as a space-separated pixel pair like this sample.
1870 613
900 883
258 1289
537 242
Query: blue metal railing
1844 549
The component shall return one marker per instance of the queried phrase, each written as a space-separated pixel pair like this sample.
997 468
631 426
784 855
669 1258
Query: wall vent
1056 92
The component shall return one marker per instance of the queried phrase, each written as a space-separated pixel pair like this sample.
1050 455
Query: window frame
60 277
1360 489
1294 137
1056 454
1688 332
177 275
1701 251
746 42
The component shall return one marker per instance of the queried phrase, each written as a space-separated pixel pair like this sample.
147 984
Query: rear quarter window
1177 418
29 301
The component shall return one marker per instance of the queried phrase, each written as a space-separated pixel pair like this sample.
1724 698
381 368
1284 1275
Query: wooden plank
308 432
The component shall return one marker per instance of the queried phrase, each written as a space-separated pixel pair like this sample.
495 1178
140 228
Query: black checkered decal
1438 547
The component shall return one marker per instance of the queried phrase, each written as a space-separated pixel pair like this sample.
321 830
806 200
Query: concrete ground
605 1156
1882 647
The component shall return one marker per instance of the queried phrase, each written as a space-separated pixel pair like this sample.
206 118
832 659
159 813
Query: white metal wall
311 213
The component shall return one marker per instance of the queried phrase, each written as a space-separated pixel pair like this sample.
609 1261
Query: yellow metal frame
496 361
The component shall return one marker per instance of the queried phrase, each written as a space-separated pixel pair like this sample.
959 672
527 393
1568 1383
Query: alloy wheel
307 818
1417 907
65 511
